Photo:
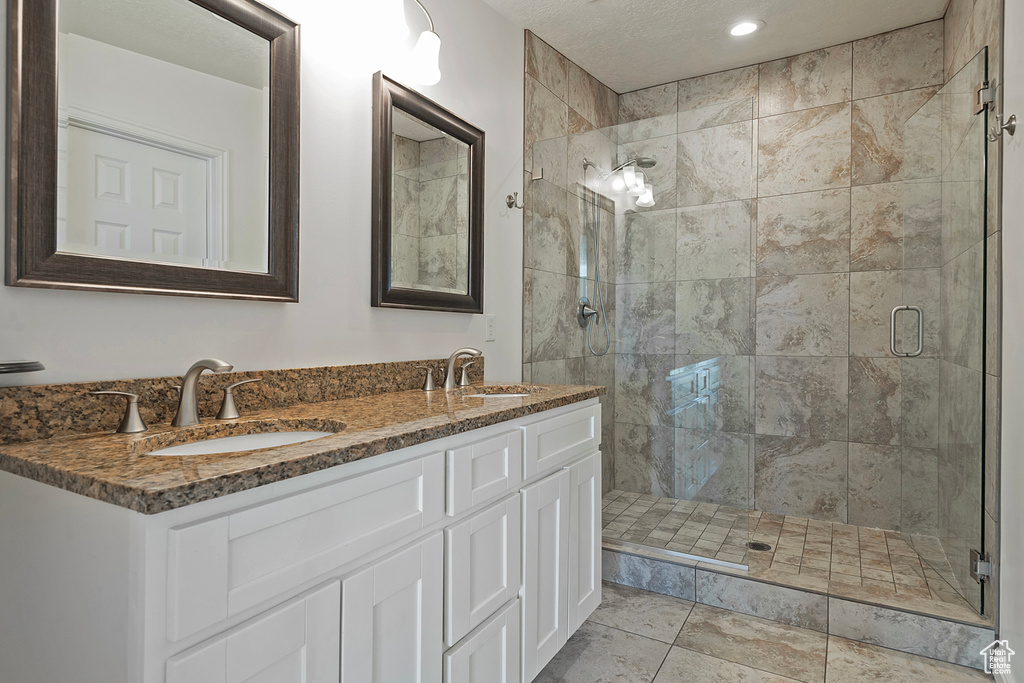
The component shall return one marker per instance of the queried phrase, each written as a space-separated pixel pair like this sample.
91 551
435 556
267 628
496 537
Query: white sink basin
494 395
234 444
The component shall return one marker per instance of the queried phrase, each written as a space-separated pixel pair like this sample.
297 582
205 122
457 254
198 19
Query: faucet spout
188 401
449 372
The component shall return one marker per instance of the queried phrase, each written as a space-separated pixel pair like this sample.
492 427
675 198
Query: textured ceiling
175 31
633 44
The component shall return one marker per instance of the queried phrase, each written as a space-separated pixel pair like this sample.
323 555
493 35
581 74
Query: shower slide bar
920 332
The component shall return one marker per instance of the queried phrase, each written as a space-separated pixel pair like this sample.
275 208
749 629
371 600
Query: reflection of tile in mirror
172 141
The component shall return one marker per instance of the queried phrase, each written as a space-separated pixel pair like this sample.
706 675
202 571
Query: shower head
639 162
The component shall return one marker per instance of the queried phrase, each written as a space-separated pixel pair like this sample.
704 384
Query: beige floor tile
850 662
687 666
643 613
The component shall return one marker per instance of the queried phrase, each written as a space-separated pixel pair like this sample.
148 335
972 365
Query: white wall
83 336
1011 584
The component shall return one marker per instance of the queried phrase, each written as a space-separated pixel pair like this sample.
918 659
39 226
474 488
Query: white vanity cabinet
469 559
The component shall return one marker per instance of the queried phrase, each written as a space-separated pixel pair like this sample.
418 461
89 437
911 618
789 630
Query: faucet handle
228 409
132 422
464 377
428 380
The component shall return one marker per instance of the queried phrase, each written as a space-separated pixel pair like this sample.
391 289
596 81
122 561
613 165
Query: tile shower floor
838 559
641 637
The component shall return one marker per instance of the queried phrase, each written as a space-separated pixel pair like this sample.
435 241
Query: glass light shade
638 188
629 177
646 200
618 184
393 27
425 58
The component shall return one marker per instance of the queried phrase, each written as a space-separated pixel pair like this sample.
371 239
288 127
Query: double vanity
429 536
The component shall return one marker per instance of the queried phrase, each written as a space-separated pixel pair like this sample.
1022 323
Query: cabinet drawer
553 443
219 567
484 471
482 569
490 654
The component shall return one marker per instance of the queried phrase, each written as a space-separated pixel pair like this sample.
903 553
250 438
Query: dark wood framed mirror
117 181
428 204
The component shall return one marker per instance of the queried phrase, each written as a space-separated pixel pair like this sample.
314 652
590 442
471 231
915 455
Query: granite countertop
115 468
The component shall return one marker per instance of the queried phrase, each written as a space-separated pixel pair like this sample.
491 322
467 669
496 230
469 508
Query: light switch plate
490 334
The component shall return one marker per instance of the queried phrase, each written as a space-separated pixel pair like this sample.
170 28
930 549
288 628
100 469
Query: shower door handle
920 332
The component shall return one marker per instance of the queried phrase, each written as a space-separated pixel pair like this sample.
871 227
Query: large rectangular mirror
168 161
427 204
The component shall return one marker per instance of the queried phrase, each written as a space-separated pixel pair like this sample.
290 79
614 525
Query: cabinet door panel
484 471
482 567
391 618
295 643
545 570
490 654
584 539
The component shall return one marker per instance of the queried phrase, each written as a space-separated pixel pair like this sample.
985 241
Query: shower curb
945 639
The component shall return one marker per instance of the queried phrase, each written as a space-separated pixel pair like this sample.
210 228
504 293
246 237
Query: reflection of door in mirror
429 208
163 135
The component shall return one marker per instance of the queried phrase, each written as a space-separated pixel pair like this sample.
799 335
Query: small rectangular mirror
428 204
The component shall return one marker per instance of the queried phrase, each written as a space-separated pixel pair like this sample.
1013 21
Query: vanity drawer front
484 471
219 567
482 567
554 442
490 654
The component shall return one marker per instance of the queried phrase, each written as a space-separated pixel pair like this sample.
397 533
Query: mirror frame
31 258
386 95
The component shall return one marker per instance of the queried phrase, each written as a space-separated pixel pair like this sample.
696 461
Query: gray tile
803 315
547 65
801 477
873 295
811 79
900 60
548 372
777 603
915 634
599 654
641 612
805 397
549 228
804 151
648 574
663 175
649 103
713 241
684 666
718 98
920 494
595 101
527 315
804 233
878 127
715 164
875 486
714 316
644 458
876 236
646 247
875 401
551 317
546 115
852 661
922 222
726 456
646 318
643 394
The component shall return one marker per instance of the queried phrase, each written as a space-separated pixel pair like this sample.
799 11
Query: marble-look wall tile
803 315
714 316
713 241
920 399
919 497
438 260
547 65
878 124
645 314
650 103
548 372
546 115
644 459
735 395
993 548
727 454
801 477
803 151
812 79
874 486
527 315
875 401
954 25
900 60
550 319
600 371
993 445
922 224
764 600
593 145
804 233
804 397
993 304
548 233
947 641
922 288
551 155
663 176
643 394
595 101
872 297
718 98
439 207
715 164
876 235
649 574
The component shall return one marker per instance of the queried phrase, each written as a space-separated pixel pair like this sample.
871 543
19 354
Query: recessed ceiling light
745 28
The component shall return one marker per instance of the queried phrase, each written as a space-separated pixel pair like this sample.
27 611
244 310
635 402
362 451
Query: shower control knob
585 312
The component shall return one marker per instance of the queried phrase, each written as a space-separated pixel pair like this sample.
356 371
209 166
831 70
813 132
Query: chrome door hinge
981 568
983 96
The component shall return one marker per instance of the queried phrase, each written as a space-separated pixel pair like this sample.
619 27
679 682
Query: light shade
425 57
646 200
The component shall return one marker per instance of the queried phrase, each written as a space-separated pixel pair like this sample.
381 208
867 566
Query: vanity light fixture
425 55
745 28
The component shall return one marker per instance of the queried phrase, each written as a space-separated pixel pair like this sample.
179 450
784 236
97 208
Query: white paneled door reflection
127 198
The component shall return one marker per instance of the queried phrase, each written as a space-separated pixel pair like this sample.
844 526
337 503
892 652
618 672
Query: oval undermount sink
246 442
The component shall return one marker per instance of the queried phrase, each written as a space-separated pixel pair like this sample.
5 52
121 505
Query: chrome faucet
188 402
449 372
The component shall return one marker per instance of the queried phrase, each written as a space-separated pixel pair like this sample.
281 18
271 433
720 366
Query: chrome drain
757 545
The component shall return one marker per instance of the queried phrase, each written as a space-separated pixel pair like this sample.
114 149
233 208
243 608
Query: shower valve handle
585 312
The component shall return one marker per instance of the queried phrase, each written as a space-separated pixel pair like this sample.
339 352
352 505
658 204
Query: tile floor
838 559
643 637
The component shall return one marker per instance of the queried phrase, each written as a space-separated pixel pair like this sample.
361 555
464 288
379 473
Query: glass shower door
938 333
